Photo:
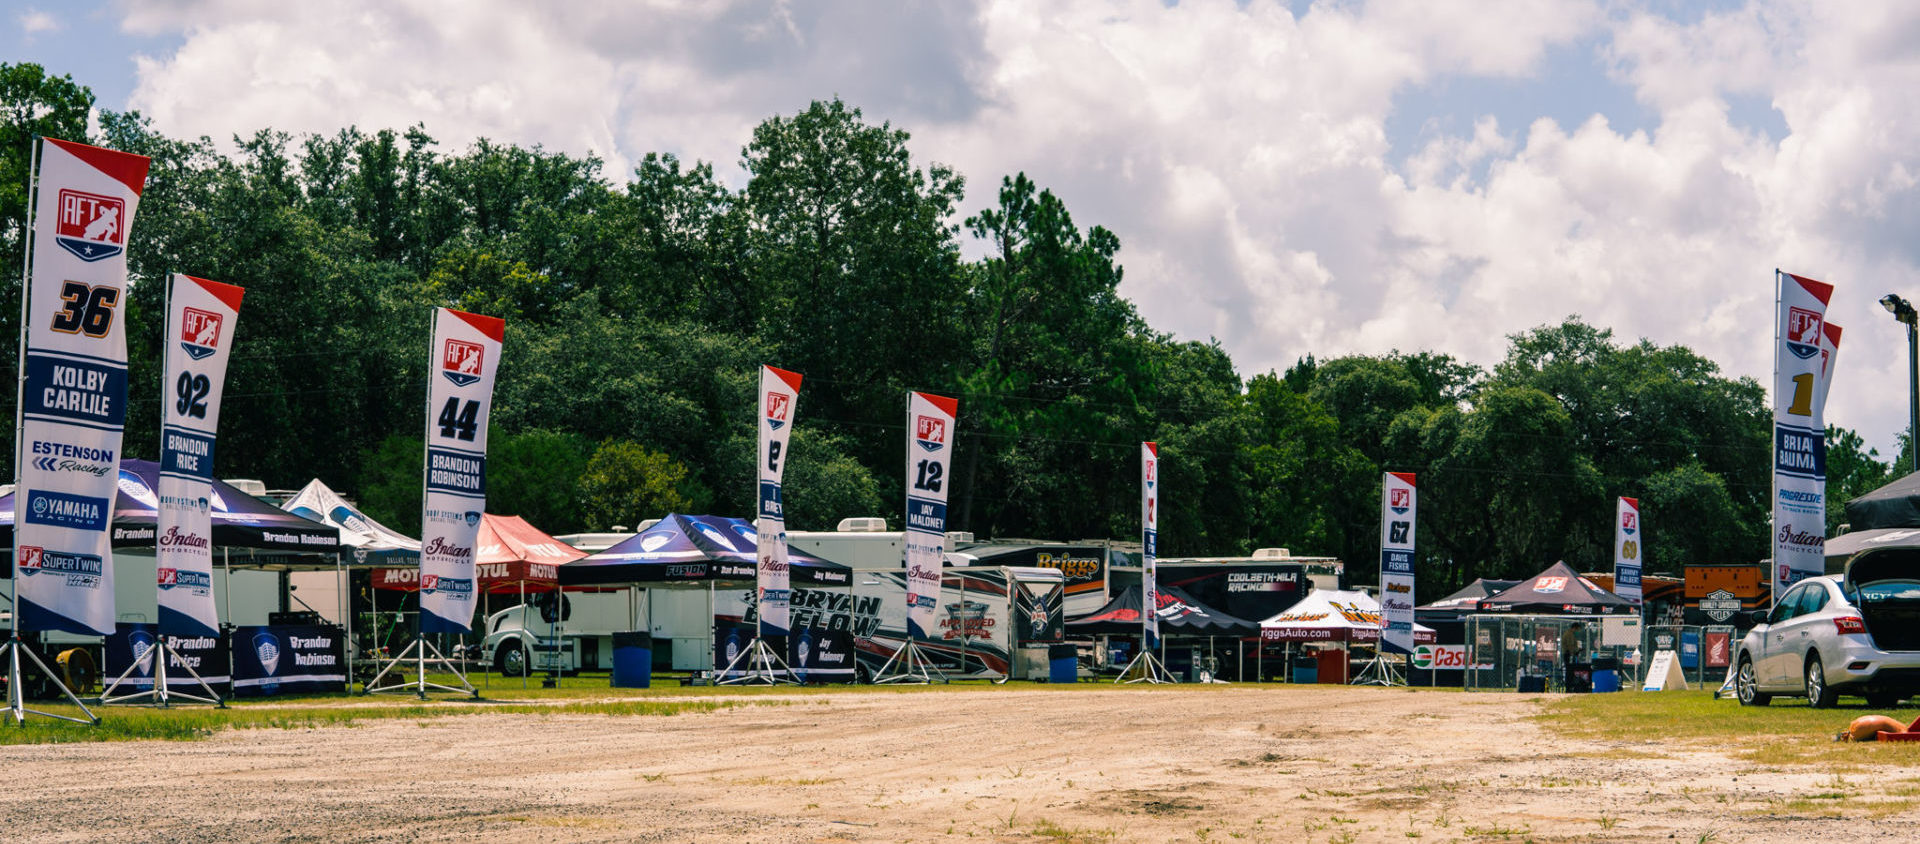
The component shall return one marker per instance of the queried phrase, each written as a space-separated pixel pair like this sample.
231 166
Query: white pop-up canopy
1332 615
366 540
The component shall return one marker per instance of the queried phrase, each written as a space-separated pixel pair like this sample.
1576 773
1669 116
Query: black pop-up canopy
240 521
694 550
1896 505
1180 615
1557 591
1464 602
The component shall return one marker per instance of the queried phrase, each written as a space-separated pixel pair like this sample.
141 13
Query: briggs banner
1149 542
930 426
1627 549
1799 430
74 385
779 396
1396 561
465 356
200 322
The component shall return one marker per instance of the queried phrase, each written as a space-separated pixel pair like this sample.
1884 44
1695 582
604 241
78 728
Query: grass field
1787 733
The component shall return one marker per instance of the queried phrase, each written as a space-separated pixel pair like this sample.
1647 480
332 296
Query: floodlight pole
1904 313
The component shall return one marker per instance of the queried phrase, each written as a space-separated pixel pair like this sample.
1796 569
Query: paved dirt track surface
1201 764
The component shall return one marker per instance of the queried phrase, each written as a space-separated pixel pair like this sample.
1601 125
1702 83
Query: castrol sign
1440 657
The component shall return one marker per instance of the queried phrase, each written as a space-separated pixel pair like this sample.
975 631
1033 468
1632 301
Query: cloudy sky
1288 177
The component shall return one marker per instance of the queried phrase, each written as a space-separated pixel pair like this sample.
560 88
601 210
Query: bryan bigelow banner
1149 543
466 353
779 396
1396 561
1799 431
201 316
930 425
73 402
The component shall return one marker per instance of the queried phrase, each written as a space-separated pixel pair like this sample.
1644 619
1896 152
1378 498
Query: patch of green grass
1788 734
1070 835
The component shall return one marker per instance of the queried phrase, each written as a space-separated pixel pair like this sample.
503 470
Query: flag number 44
460 419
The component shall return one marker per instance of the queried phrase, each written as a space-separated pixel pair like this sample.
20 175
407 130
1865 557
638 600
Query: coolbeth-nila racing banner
930 427
465 356
74 392
201 317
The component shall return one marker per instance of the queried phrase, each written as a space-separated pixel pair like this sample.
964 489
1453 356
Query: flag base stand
420 648
909 666
760 667
17 692
1151 671
1379 672
159 695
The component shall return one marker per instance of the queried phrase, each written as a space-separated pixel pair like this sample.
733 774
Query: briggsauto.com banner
73 399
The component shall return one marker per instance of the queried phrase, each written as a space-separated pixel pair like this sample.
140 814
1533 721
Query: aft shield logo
1629 522
91 226
777 404
1803 332
1548 585
460 361
1399 500
199 333
930 432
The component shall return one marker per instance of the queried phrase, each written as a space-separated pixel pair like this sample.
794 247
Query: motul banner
1149 542
930 426
779 395
465 355
1396 561
201 316
1627 547
1799 431
73 399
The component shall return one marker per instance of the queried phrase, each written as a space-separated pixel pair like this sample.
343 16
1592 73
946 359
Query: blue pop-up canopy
239 520
694 549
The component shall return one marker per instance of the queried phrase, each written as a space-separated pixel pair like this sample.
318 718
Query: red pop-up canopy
513 556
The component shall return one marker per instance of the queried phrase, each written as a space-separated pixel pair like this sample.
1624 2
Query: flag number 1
1802 395
460 420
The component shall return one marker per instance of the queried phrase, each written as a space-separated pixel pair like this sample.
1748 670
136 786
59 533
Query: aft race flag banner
1799 431
779 397
1627 548
1396 561
465 356
1149 543
73 391
201 316
1829 352
930 428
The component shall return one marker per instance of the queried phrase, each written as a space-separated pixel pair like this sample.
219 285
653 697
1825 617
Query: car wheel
1884 700
1819 696
1747 687
510 659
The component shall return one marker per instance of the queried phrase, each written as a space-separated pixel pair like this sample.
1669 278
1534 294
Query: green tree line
640 308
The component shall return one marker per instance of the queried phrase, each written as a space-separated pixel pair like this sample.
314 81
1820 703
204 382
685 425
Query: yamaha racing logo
91 226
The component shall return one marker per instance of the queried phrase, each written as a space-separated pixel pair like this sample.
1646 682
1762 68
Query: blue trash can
1606 680
1306 669
1063 664
632 660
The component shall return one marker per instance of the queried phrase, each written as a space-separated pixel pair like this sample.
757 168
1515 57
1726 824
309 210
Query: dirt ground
1198 764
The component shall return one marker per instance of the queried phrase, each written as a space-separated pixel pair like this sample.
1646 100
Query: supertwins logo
199 332
460 361
1803 332
197 582
1399 500
930 432
439 584
91 226
777 406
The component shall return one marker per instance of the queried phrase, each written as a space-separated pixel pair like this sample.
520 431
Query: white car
1856 634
